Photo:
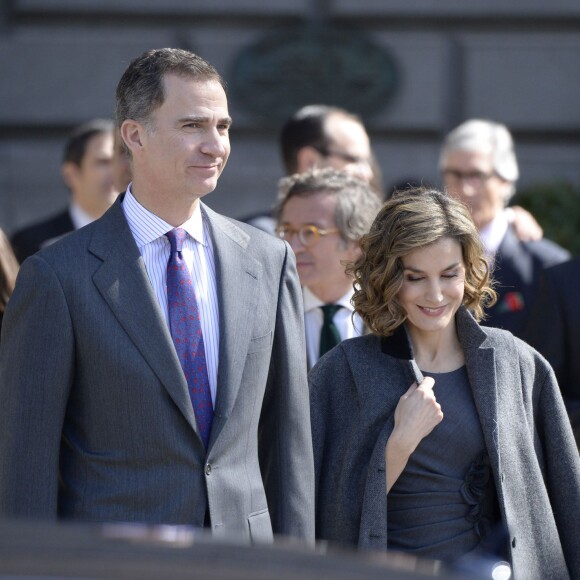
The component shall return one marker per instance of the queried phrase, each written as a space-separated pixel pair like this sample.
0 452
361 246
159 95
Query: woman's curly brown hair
410 220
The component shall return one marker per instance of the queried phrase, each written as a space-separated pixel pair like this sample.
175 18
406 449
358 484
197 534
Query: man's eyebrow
201 119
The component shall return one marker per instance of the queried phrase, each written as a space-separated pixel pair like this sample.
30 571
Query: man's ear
308 158
132 134
354 250
69 172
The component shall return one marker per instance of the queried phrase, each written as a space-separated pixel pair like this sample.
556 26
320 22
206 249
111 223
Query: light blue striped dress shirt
149 232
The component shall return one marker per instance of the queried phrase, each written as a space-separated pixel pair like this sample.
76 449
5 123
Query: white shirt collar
79 217
311 301
146 226
493 233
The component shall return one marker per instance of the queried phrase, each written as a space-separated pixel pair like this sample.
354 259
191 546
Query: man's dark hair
307 128
141 90
76 145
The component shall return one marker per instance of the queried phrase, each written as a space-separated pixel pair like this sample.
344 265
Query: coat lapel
481 369
124 284
237 275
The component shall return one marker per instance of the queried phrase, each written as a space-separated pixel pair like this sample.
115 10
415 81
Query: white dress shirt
348 324
149 232
79 217
493 233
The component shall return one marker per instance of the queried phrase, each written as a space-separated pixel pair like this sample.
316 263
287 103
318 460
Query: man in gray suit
97 421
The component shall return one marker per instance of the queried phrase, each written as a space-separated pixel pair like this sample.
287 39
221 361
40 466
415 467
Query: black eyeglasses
473 177
307 235
354 159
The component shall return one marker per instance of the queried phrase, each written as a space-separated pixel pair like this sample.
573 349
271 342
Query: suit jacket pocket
260 343
261 527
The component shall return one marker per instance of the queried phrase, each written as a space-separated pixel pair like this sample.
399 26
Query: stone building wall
514 61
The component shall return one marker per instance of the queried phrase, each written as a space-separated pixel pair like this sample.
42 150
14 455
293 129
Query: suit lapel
481 369
237 275
124 284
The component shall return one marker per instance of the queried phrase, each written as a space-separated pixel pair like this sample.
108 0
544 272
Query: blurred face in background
91 182
349 148
469 176
318 257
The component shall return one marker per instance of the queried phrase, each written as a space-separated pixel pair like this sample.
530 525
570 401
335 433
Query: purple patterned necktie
184 322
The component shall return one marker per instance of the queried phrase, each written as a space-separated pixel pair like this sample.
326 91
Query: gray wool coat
354 391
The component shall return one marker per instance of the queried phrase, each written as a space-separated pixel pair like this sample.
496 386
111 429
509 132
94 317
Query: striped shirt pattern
149 232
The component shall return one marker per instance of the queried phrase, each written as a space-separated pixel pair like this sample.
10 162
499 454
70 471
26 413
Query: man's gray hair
483 135
357 204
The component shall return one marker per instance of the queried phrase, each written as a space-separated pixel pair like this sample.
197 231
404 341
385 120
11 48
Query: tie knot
329 310
176 238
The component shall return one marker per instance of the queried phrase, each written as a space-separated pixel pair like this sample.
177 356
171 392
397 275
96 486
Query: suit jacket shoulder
29 240
516 272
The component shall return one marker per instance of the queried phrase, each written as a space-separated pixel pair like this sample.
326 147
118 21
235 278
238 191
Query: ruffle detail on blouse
476 490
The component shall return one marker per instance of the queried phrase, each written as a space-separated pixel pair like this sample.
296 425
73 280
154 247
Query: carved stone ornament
314 64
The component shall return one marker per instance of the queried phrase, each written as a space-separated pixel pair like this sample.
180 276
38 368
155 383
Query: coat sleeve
36 370
562 467
285 441
320 416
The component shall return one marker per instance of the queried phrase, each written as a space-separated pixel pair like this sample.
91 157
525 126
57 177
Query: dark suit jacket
355 389
554 329
516 270
29 240
96 422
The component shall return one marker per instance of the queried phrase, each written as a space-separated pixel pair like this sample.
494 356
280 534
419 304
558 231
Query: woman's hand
416 415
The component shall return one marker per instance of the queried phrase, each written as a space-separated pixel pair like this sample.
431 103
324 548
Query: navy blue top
444 502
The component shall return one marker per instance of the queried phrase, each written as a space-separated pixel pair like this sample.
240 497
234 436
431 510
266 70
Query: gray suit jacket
96 422
354 391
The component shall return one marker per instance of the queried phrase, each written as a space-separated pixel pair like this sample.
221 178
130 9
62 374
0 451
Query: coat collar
479 361
481 369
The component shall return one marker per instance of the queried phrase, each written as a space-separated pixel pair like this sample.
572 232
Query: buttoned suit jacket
355 389
30 239
96 422
516 271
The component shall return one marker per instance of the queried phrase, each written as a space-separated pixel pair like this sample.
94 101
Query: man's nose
215 144
364 172
461 188
295 243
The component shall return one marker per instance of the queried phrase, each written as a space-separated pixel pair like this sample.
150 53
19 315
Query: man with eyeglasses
325 136
322 214
479 166
319 136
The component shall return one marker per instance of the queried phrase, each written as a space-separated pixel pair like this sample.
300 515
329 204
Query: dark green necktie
329 336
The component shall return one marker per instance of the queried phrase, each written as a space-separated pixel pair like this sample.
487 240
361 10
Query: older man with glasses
479 166
322 213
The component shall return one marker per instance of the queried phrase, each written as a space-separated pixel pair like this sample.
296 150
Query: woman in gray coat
433 433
